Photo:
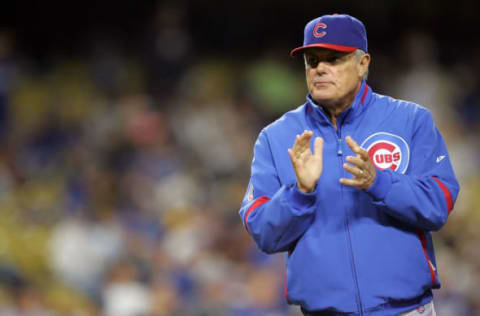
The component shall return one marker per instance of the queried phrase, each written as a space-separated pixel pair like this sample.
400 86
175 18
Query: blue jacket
353 251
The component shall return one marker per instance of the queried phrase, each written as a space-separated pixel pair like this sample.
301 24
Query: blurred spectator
124 294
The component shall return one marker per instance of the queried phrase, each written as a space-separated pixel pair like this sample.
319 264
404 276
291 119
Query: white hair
358 54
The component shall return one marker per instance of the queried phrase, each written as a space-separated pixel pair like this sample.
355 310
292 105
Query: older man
350 185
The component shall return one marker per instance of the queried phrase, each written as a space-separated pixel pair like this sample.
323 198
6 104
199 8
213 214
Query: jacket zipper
354 270
338 134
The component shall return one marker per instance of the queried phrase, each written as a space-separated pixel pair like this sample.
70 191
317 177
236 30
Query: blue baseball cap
340 32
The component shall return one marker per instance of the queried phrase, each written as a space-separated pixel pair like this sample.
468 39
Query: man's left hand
362 169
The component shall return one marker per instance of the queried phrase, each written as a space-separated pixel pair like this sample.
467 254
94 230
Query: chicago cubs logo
319 34
387 151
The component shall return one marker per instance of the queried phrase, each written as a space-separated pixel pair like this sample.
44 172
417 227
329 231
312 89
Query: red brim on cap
340 48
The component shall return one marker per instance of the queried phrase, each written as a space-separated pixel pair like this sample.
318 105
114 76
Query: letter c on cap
315 30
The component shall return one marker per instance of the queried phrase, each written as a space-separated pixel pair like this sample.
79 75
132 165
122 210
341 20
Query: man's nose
321 67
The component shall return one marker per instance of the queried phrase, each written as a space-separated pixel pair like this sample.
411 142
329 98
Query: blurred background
126 136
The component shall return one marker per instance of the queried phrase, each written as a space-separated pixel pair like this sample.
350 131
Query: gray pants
425 310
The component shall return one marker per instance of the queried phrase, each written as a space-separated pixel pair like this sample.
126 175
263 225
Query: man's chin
322 98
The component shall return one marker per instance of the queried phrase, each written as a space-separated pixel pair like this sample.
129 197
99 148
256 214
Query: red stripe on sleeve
254 206
285 288
446 192
423 240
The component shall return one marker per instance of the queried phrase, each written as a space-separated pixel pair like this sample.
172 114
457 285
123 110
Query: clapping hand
307 165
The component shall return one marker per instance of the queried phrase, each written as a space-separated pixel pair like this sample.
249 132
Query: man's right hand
307 165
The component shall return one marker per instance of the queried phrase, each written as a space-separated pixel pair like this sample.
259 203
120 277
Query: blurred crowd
121 177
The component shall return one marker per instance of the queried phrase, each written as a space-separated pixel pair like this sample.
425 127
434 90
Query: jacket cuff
381 185
300 200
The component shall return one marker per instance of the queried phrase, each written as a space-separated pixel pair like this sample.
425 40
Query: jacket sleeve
424 196
275 215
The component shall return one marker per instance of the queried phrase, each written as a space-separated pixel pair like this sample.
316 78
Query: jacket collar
360 102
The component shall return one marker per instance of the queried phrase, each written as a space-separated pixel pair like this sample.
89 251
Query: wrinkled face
333 77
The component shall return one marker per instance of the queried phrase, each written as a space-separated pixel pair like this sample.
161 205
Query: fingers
352 144
363 171
302 142
351 182
356 148
291 154
357 162
318 147
355 171
360 181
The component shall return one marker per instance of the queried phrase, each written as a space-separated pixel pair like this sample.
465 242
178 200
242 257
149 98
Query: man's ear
363 64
